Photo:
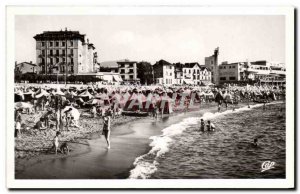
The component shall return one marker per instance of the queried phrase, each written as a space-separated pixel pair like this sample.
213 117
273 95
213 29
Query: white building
192 73
164 72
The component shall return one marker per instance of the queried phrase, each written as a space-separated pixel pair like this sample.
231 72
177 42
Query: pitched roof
126 61
54 35
203 68
191 65
163 62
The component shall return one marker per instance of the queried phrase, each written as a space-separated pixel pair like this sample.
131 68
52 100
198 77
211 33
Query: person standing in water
255 142
106 129
202 125
210 126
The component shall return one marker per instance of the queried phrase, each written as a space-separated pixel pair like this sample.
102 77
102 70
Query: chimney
30 62
66 29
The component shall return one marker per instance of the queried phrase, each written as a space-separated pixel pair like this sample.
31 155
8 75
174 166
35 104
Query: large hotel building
64 52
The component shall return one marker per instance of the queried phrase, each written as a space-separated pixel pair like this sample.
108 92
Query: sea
182 151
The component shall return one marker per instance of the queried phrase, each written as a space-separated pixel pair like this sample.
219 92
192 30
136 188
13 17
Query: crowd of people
59 106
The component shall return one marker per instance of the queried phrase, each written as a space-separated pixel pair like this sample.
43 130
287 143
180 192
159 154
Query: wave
147 164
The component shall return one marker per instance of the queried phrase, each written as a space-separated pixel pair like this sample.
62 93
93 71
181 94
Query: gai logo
267 165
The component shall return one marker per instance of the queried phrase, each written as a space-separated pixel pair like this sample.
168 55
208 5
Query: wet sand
94 161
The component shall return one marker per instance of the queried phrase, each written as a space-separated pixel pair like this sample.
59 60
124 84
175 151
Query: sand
90 158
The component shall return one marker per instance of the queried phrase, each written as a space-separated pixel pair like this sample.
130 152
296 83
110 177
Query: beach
130 141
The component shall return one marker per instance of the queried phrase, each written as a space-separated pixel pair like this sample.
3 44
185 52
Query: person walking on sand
106 129
56 142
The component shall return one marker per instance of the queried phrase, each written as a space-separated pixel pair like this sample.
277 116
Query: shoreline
136 140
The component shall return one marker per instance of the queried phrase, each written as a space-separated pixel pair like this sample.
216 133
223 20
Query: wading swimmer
210 126
255 143
202 125
106 129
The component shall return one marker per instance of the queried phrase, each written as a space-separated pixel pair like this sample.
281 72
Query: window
43 43
51 52
223 78
212 62
63 44
57 60
63 52
231 78
130 65
51 44
233 66
123 77
71 51
43 52
130 70
57 52
64 60
122 71
131 76
57 44
72 69
229 67
72 60
71 43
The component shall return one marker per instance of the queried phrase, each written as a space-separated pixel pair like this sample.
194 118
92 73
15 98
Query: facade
178 73
164 72
64 52
231 72
109 66
128 70
211 63
257 71
267 72
26 67
192 73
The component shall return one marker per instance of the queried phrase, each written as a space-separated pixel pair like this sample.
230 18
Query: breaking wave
147 164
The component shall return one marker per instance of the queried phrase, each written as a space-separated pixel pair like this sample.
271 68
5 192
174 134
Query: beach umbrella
42 93
86 94
96 101
73 111
20 95
59 92
19 105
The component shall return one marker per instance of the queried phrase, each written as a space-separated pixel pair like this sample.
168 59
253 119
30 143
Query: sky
172 38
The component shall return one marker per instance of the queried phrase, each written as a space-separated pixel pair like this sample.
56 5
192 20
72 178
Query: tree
145 72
